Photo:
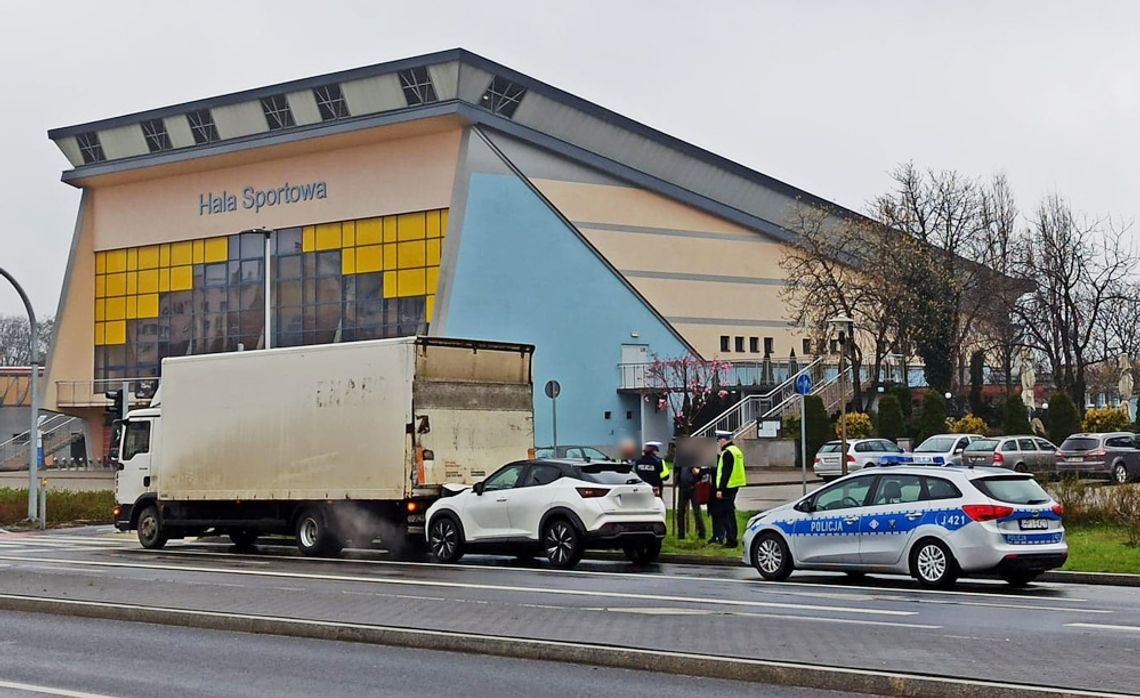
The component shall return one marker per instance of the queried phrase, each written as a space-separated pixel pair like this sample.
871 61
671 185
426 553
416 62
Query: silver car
943 449
934 524
1024 454
860 454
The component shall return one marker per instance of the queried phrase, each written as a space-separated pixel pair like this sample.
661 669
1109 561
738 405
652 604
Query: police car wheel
771 557
445 539
933 565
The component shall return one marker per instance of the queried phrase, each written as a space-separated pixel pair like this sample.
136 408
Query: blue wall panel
522 275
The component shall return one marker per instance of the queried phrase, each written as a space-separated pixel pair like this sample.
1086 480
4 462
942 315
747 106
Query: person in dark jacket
650 466
688 476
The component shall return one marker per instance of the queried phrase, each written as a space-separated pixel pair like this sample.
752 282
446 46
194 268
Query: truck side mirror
477 488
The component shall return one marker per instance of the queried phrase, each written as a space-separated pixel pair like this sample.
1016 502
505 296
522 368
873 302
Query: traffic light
116 409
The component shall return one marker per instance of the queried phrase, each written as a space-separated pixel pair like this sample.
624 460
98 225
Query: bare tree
1079 268
1002 244
15 339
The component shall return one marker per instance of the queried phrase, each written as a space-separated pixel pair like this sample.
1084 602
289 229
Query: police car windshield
607 474
983 445
936 444
1013 489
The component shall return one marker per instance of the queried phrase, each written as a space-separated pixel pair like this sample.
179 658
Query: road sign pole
803 441
554 416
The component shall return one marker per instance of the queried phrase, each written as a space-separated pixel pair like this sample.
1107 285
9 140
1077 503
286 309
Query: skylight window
503 97
90 147
157 139
202 126
418 88
330 102
277 112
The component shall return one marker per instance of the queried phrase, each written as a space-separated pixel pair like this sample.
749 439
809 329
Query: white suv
558 508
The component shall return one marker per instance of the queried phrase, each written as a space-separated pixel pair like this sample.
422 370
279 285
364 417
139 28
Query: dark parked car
1025 454
1115 456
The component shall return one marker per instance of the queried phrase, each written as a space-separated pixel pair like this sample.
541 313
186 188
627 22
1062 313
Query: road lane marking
772 616
778 587
50 691
463 585
666 661
1101 626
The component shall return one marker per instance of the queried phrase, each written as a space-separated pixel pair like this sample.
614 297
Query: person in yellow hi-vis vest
728 478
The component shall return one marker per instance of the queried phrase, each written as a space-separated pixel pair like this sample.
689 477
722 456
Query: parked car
944 449
556 508
1113 455
1024 454
860 454
936 524
571 453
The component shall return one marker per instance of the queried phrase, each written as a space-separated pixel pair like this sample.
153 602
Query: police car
934 524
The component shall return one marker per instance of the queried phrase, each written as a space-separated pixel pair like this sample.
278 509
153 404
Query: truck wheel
563 544
315 537
445 539
643 553
243 538
150 532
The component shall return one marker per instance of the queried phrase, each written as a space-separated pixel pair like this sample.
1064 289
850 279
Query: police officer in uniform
650 467
728 477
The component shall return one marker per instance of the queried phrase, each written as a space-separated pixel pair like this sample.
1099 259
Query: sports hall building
443 194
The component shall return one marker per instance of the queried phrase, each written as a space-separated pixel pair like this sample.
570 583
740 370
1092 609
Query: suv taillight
850 458
592 492
1099 453
986 512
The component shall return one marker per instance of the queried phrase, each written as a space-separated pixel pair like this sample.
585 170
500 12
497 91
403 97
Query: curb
1066 577
658 661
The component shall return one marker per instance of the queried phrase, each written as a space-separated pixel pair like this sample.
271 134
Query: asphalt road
110 658
1074 636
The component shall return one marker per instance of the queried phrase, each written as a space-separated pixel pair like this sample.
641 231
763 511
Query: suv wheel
562 543
933 565
1120 474
771 557
445 540
643 553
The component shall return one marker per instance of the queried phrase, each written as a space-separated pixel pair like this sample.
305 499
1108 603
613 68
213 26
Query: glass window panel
288 241
251 271
288 293
289 319
289 267
328 290
328 263
250 299
234 247
252 246
328 317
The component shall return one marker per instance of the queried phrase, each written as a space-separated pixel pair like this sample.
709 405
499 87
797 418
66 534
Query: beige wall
412 174
370 175
644 234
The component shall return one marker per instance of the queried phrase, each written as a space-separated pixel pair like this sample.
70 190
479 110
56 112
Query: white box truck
337 444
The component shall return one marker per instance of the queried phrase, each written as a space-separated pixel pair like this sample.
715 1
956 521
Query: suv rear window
830 448
982 445
1012 489
607 474
1080 444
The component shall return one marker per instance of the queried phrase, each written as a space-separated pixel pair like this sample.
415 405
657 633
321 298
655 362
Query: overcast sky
827 96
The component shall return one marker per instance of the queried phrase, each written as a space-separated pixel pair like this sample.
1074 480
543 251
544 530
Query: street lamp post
268 233
34 444
843 323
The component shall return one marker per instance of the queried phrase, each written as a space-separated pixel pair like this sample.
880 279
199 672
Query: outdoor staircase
743 418
56 433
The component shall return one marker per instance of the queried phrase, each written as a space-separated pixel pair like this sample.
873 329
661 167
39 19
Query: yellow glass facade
340 281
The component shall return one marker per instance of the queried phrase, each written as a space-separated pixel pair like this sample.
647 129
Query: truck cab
132 451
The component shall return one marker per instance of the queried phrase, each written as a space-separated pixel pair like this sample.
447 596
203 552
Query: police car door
829 533
890 519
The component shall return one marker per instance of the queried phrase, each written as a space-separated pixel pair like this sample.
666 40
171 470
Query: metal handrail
49 427
740 423
817 390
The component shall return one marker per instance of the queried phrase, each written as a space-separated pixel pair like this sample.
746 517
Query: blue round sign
803 385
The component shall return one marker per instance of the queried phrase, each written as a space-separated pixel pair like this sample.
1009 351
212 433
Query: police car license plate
1033 524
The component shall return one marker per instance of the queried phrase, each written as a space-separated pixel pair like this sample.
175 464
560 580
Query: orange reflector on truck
420 465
